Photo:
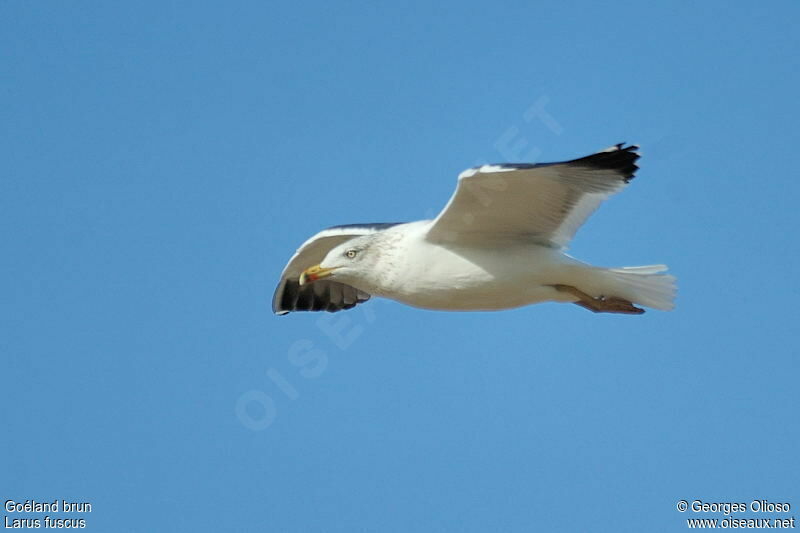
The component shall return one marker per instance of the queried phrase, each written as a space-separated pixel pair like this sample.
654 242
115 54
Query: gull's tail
643 285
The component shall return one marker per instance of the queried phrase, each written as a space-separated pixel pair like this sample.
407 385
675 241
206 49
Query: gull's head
349 262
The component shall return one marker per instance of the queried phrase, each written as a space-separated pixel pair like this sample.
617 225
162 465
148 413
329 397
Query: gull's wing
544 203
321 295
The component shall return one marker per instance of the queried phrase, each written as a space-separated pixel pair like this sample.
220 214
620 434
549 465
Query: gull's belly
465 278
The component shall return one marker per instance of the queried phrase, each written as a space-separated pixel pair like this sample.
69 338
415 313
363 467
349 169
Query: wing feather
544 202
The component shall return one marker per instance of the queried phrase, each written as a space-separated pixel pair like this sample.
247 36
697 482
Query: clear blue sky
160 162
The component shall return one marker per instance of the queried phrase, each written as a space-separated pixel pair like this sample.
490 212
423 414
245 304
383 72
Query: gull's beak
314 273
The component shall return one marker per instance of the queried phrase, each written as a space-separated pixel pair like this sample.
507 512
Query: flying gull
499 243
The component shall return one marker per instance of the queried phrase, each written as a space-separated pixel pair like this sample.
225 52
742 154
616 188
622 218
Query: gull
499 243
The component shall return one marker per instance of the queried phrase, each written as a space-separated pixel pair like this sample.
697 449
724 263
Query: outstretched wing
321 295
544 203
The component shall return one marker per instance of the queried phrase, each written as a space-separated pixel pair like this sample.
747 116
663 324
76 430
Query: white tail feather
643 285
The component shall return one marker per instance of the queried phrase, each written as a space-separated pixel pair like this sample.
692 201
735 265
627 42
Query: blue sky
161 162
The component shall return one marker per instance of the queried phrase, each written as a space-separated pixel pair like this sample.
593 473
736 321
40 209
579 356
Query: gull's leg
602 304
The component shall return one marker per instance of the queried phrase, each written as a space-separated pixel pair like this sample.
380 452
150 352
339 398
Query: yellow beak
314 273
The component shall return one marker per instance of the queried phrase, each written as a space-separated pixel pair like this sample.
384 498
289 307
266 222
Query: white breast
458 277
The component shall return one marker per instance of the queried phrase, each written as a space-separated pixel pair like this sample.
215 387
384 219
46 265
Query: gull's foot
601 304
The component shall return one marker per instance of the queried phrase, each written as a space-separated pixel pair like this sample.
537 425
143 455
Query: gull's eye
350 254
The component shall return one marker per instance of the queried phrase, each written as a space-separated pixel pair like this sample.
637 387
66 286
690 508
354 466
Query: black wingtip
321 295
618 157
